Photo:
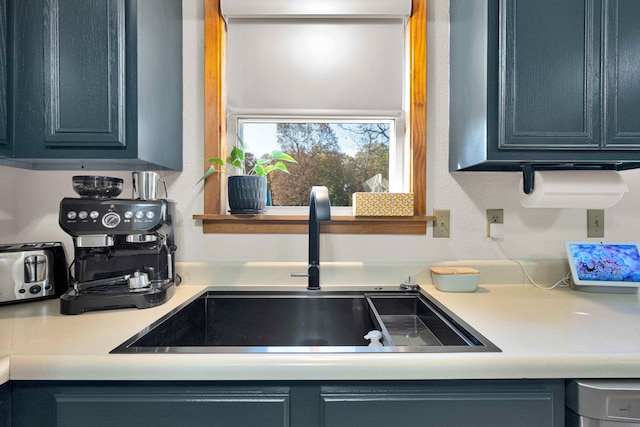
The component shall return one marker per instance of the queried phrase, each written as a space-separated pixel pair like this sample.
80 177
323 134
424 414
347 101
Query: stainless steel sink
307 321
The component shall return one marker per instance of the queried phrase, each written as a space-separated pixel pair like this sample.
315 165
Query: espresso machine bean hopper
123 248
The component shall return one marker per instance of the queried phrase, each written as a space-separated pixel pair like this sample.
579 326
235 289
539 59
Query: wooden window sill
285 224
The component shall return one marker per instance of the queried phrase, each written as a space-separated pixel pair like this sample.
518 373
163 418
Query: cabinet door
84 73
5 406
470 410
447 405
550 95
622 74
70 77
122 409
4 70
148 405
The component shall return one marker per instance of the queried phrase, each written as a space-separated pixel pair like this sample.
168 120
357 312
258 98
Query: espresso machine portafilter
124 252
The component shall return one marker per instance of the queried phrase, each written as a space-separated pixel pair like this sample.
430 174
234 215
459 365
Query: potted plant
247 192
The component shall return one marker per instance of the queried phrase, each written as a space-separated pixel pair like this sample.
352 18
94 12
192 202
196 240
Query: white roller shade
315 56
309 8
315 64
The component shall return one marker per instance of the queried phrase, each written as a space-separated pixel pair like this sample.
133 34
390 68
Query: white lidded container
455 279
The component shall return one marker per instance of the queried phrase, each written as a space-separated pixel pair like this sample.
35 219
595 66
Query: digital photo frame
604 266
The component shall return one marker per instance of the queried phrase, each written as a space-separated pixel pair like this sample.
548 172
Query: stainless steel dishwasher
603 403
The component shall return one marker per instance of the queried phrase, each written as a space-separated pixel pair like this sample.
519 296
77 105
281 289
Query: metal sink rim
128 346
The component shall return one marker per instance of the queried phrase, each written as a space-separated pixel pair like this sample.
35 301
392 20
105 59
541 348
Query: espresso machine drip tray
114 296
137 282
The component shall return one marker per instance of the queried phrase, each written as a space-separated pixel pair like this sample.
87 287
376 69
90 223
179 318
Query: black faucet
319 210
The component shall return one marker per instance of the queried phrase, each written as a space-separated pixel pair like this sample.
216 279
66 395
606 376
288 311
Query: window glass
344 156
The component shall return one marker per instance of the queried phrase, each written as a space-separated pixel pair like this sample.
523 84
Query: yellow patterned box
383 204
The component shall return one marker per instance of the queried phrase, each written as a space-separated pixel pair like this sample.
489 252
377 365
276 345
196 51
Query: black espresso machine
123 248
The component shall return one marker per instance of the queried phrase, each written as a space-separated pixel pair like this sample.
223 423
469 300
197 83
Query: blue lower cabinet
134 404
5 405
296 404
446 404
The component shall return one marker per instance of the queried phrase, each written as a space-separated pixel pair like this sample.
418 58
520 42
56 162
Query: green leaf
210 171
279 155
236 154
259 170
262 161
216 160
281 167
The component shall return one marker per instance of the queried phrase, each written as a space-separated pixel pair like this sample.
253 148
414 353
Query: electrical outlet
494 216
441 226
595 223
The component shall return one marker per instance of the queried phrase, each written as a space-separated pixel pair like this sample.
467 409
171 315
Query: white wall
29 199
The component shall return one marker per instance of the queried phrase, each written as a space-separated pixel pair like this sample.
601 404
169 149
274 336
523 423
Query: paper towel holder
574 187
528 178
528 181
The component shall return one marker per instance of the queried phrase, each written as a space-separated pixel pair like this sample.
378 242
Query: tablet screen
604 263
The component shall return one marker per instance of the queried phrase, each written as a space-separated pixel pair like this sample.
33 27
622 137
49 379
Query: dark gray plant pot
247 194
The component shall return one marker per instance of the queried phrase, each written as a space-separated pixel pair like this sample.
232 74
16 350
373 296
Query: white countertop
557 333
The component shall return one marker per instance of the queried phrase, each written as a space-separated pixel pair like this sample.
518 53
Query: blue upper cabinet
621 66
5 143
549 77
97 84
84 74
549 83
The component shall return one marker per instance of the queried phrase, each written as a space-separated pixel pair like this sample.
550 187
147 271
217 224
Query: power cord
562 283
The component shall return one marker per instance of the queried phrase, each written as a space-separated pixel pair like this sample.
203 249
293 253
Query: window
244 112
345 156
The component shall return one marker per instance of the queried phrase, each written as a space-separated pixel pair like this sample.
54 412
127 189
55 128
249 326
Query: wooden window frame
214 219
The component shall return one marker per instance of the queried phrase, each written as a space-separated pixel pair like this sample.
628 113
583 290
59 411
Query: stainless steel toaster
32 271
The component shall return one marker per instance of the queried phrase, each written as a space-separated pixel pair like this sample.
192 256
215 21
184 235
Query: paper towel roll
592 189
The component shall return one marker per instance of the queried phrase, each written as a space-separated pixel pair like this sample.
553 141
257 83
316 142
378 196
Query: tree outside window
344 157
